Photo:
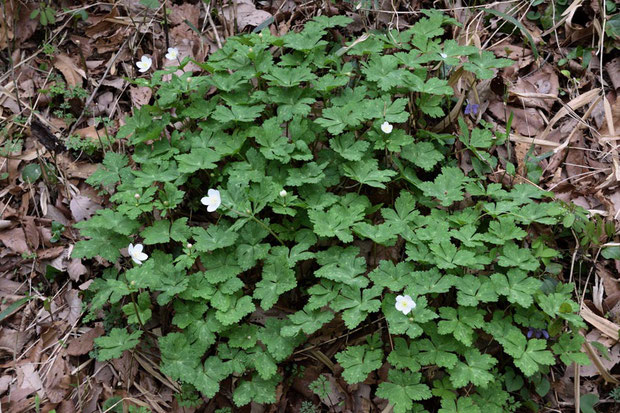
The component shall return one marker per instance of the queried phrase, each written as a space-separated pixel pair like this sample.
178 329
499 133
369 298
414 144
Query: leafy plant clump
298 184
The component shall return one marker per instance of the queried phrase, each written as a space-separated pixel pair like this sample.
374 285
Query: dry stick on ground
92 95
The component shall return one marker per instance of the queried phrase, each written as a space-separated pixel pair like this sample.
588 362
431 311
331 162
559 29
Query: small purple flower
471 108
537 332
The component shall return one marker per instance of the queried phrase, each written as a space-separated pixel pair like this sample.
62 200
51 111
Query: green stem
258 221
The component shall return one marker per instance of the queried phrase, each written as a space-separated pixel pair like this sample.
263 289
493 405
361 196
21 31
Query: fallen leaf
72 73
76 268
15 239
84 343
28 382
82 207
247 14
140 95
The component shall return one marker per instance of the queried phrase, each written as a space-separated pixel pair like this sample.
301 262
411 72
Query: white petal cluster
387 127
173 53
144 64
212 201
136 254
405 304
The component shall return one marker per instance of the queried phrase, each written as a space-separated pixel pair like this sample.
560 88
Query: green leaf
238 308
440 350
357 304
214 237
278 346
158 233
273 144
409 324
461 323
237 113
143 307
475 369
306 321
587 402
533 354
513 256
342 265
461 405
516 286
336 118
447 256
481 65
404 356
394 277
115 343
358 362
569 349
348 147
447 187
197 159
422 154
258 390
502 230
475 289
113 170
277 279
402 389
367 172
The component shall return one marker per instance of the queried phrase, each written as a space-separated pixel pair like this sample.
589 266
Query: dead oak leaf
72 73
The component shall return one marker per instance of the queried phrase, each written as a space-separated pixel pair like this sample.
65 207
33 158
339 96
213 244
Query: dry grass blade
606 327
598 364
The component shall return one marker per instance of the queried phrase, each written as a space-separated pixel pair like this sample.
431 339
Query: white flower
212 200
443 55
136 254
173 53
404 304
386 127
144 64
283 193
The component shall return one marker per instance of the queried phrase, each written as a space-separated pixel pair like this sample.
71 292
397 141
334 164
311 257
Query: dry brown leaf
140 95
527 122
82 207
4 383
83 344
539 90
15 239
76 268
28 382
32 234
603 325
50 253
186 11
72 73
247 14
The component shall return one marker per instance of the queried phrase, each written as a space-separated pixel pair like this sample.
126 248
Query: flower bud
137 196
283 193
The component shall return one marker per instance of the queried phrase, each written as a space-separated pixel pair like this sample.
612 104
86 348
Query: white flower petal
141 256
205 200
386 127
130 249
138 248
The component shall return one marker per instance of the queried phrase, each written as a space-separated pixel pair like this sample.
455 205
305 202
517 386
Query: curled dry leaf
72 73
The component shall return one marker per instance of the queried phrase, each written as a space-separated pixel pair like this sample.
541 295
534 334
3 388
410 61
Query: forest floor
64 92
